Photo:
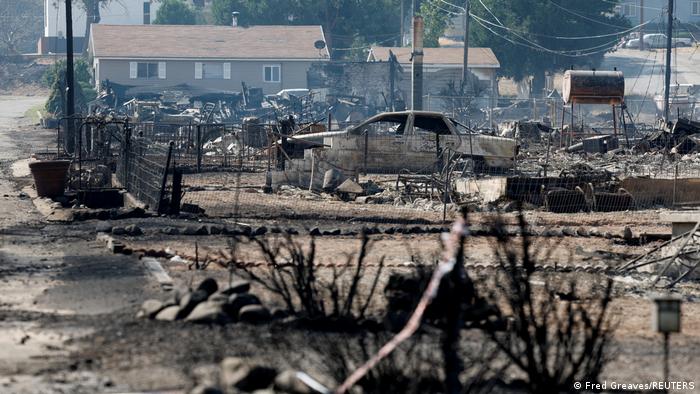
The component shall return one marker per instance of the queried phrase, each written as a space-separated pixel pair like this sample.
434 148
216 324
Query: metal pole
666 335
641 27
199 148
669 47
70 91
161 207
465 61
402 21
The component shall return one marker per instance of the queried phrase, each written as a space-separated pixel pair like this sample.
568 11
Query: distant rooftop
207 42
478 57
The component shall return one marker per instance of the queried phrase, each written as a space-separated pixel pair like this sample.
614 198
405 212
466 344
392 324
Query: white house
116 12
685 11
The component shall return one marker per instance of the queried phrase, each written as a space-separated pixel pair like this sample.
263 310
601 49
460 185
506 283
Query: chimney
234 18
417 57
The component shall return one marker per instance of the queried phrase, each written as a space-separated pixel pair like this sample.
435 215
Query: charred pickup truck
406 141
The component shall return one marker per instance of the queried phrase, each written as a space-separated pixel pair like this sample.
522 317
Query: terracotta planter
50 177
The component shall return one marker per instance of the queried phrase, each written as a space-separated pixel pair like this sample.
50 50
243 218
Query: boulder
237 374
238 301
208 285
254 314
116 230
350 187
103 227
189 301
150 308
237 286
133 230
207 312
168 314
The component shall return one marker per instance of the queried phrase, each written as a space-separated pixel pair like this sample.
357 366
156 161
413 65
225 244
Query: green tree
343 21
175 12
531 37
55 79
436 22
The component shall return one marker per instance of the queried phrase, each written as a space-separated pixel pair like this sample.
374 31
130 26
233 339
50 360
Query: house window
695 8
212 70
272 73
144 70
146 12
147 71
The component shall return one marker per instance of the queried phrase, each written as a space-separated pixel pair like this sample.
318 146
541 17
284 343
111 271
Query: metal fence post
165 179
199 148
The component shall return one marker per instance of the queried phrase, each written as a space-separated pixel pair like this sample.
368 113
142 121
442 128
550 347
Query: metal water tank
593 87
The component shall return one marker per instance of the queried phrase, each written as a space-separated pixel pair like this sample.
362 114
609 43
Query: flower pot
50 177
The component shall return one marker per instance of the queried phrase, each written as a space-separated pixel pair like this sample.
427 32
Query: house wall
437 80
370 80
122 12
654 10
293 74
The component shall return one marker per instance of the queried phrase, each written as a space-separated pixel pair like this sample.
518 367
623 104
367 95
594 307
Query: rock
237 286
627 234
150 308
207 312
103 227
315 232
215 230
168 314
582 232
278 313
254 314
201 389
389 230
116 230
292 231
170 231
237 374
190 301
196 230
262 230
335 231
350 187
289 382
209 285
568 231
238 301
133 230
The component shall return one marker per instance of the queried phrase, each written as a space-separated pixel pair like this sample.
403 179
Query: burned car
412 141
390 143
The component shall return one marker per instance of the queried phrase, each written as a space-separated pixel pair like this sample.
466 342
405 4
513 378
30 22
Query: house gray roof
478 57
207 42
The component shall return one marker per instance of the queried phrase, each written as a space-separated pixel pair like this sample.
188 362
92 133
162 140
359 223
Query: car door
430 136
383 142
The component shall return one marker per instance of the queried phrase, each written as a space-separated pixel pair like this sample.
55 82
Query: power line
582 16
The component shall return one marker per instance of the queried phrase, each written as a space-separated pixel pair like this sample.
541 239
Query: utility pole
669 47
70 92
641 23
465 61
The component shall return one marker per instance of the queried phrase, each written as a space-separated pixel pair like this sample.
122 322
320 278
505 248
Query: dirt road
56 280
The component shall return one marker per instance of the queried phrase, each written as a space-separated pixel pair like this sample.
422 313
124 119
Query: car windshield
387 124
